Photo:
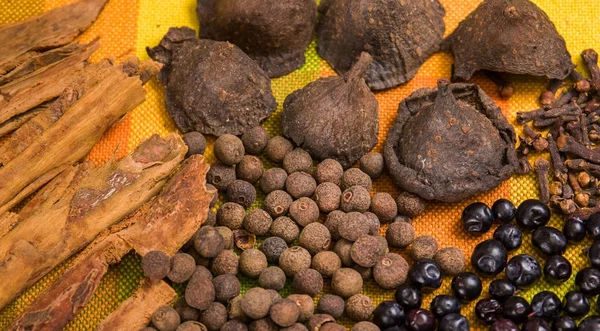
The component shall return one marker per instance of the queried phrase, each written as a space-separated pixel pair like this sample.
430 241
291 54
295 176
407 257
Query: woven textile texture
126 27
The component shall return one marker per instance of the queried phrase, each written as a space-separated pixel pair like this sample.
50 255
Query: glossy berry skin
466 286
388 314
454 322
501 289
532 213
420 320
594 254
564 323
549 240
588 281
503 211
516 309
574 230
505 325
488 310
425 274
523 270
509 235
590 323
557 269
396 328
576 304
443 305
408 297
477 218
536 324
592 226
546 305
489 257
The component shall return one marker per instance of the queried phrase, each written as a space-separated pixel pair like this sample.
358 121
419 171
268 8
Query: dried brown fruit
346 282
374 223
272 247
410 204
326 263
263 324
384 206
256 303
451 260
332 327
305 305
343 250
365 272
214 317
227 287
285 228
300 184
249 169
294 260
334 117
355 198
226 262
356 177
220 175
234 325
513 36
241 192
277 148
359 307
227 235
332 222
208 242
365 326
200 292
304 211
255 140
273 179
372 164
390 271
295 327
195 142
355 226
191 326
273 278
423 247
308 281
318 320
182 267
450 143
156 265
234 309
186 313
297 160
277 203
400 35
211 87
365 251
166 318
253 262
258 222
329 170
231 215
243 239
332 305
327 196
285 312
229 149
315 238
273 33
400 234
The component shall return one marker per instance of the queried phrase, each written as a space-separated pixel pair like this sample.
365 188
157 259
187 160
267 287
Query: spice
195 142
327 196
182 267
332 222
400 234
277 148
372 164
250 169
294 260
156 265
165 319
451 260
326 263
365 326
252 262
410 204
229 149
317 321
272 247
365 251
225 263
356 177
214 317
208 242
332 305
308 281
384 206
346 282
200 292
359 307
211 217
304 211
295 327
297 160
273 179
305 305
390 271
355 198
355 226
300 184
285 228
277 203
186 313
255 140
234 325
343 250
256 303
272 278
374 223
258 222
285 313
329 170
315 238
221 176
241 192
227 287
423 247
227 235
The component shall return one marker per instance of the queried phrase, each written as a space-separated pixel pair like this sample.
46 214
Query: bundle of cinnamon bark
570 178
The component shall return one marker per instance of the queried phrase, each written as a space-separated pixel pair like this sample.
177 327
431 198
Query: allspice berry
227 287
213 202
374 223
256 303
250 169
234 309
227 235
308 281
297 160
156 265
332 305
326 263
263 324
226 262
234 325
329 170
285 312
317 321
356 177
208 242
200 292
220 176
294 260
355 198
327 196
332 327
332 222
315 238
182 267
410 205
273 179
211 218
275 296
277 148
186 313
255 140
241 192
423 247
191 326
384 206
273 278
231 215
166 318
252 262
346 282
277 203
365 326
390 271
214 317
400 234
195 142
355 226
295 327
359 307
272 247
285 228
305 305
258 222
365 272
365 251
451 260
343 250
229 149
300 184
304 211
372 164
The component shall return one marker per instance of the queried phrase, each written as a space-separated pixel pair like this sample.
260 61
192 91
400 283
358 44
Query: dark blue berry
549 240
408 297
516 309
420 320
454 322
477 218
523 270
503 211
532 214
576 304
489 257
504 325
574 230
509 235
443 305
564 323
502 289
590 323
536 324
488 310
466 286
425 274
592 226
546 305
593 254
588 281
388 314
557 269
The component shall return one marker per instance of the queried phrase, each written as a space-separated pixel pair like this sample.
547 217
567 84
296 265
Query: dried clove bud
541 168
584 179
555 188
590 58
547 97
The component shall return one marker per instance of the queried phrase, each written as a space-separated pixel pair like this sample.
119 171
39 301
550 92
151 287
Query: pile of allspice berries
319 223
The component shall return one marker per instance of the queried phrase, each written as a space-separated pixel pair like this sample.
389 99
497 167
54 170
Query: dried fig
400 35
334 117
275 33
450 143
211 87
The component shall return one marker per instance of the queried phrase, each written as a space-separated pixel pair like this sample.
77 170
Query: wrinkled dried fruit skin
400 35
452 146
334 117
274 33
513 36
211 87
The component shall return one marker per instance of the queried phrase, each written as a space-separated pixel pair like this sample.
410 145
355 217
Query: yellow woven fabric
126 27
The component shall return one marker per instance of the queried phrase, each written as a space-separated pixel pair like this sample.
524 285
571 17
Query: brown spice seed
343 249
226 262
208 242
243 239
326 263
234 325
227 286
285 312
329 170
400 234
220 175
300 184
308 281
384 206
195 142
346 282
332 305
304 211
356 177
305 305
332 327
297 160
365 272
182 267
250 169
355 226
355 198
410 205
166 318
451 260
255 140
332 222
229 149
390 271
200 291
227 235
277 148
214 317
256 303
258 222
315 238
211 217
372 164
359 307
423 247
318 320
273 278
365 326
295 327
191 326
327 196
241 192
365 251
234 309
263 324
156 265
231 215
277 203
294 260
285 228
374 223
252 262
272 247
273 179
186 313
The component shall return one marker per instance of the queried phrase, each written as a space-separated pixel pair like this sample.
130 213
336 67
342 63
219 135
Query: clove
590 58
582 165
542 166
557 164
505 88
547 97
569 145
581 84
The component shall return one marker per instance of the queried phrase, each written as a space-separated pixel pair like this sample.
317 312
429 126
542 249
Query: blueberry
489 257
532 214
588 281
477 218
443 305
502 289
425 274
546 305
408 297
536 324
574 230
503 211
516 309
523 270
594 254
557 269
592 226
576 304
504 325
564 323
454 322
420 320
388 314
590 323
488 310
466 286
396 328
549 240
509 235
